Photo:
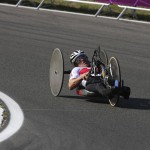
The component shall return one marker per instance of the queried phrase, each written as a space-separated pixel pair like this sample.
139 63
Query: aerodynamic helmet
75 55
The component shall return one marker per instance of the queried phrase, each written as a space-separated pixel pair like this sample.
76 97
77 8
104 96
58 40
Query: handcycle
110 72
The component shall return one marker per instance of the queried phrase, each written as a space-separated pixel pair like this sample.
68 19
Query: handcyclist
80 78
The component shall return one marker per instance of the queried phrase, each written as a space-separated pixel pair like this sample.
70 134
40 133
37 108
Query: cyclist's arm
74 82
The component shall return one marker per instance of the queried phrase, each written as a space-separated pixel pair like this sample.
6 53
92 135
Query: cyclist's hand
85 75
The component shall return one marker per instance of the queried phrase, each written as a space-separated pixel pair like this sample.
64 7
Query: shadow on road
135 103
73 97
132 103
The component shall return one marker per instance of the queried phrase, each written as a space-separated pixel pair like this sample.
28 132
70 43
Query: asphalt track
69 122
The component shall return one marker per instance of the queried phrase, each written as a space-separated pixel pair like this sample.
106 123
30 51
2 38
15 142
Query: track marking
16 117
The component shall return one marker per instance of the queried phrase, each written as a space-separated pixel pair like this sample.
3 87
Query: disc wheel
114 70
56 73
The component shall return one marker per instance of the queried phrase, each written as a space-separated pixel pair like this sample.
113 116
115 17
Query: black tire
56 73
115 73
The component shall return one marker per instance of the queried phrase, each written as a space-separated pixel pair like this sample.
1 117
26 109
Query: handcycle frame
111 68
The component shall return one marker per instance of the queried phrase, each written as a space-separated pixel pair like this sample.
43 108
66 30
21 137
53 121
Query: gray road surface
69 122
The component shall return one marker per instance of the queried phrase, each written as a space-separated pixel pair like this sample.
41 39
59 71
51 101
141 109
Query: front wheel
115 74
104 57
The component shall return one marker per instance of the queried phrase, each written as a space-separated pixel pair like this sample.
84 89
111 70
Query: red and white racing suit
77 71
94 86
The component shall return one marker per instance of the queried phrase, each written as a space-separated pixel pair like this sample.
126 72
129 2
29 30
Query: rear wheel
104 62
115 74
56 73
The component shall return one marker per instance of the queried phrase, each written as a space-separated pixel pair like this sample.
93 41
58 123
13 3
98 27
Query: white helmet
75 55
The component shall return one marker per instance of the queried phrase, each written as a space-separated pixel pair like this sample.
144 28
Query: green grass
84 8
5 115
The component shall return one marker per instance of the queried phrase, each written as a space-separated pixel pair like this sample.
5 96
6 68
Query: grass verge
5 115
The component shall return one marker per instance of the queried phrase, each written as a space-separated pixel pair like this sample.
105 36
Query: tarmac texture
70 122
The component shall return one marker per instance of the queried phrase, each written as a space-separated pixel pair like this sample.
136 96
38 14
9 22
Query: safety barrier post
120 15
99 11
40 4
20 1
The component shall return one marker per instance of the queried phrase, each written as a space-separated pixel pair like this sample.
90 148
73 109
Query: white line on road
16 117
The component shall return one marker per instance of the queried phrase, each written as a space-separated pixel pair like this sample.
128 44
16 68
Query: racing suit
92 84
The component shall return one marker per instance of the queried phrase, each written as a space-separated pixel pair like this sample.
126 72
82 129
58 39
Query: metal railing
125 8
103 4
18 4
108 3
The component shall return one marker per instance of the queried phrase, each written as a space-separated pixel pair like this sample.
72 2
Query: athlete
80 77
80 71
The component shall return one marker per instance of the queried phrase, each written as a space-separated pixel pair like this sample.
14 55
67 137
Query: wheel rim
114 69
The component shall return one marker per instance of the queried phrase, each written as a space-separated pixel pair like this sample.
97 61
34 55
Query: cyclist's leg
101 89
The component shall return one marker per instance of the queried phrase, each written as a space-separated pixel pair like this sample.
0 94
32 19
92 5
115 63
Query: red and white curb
16 117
